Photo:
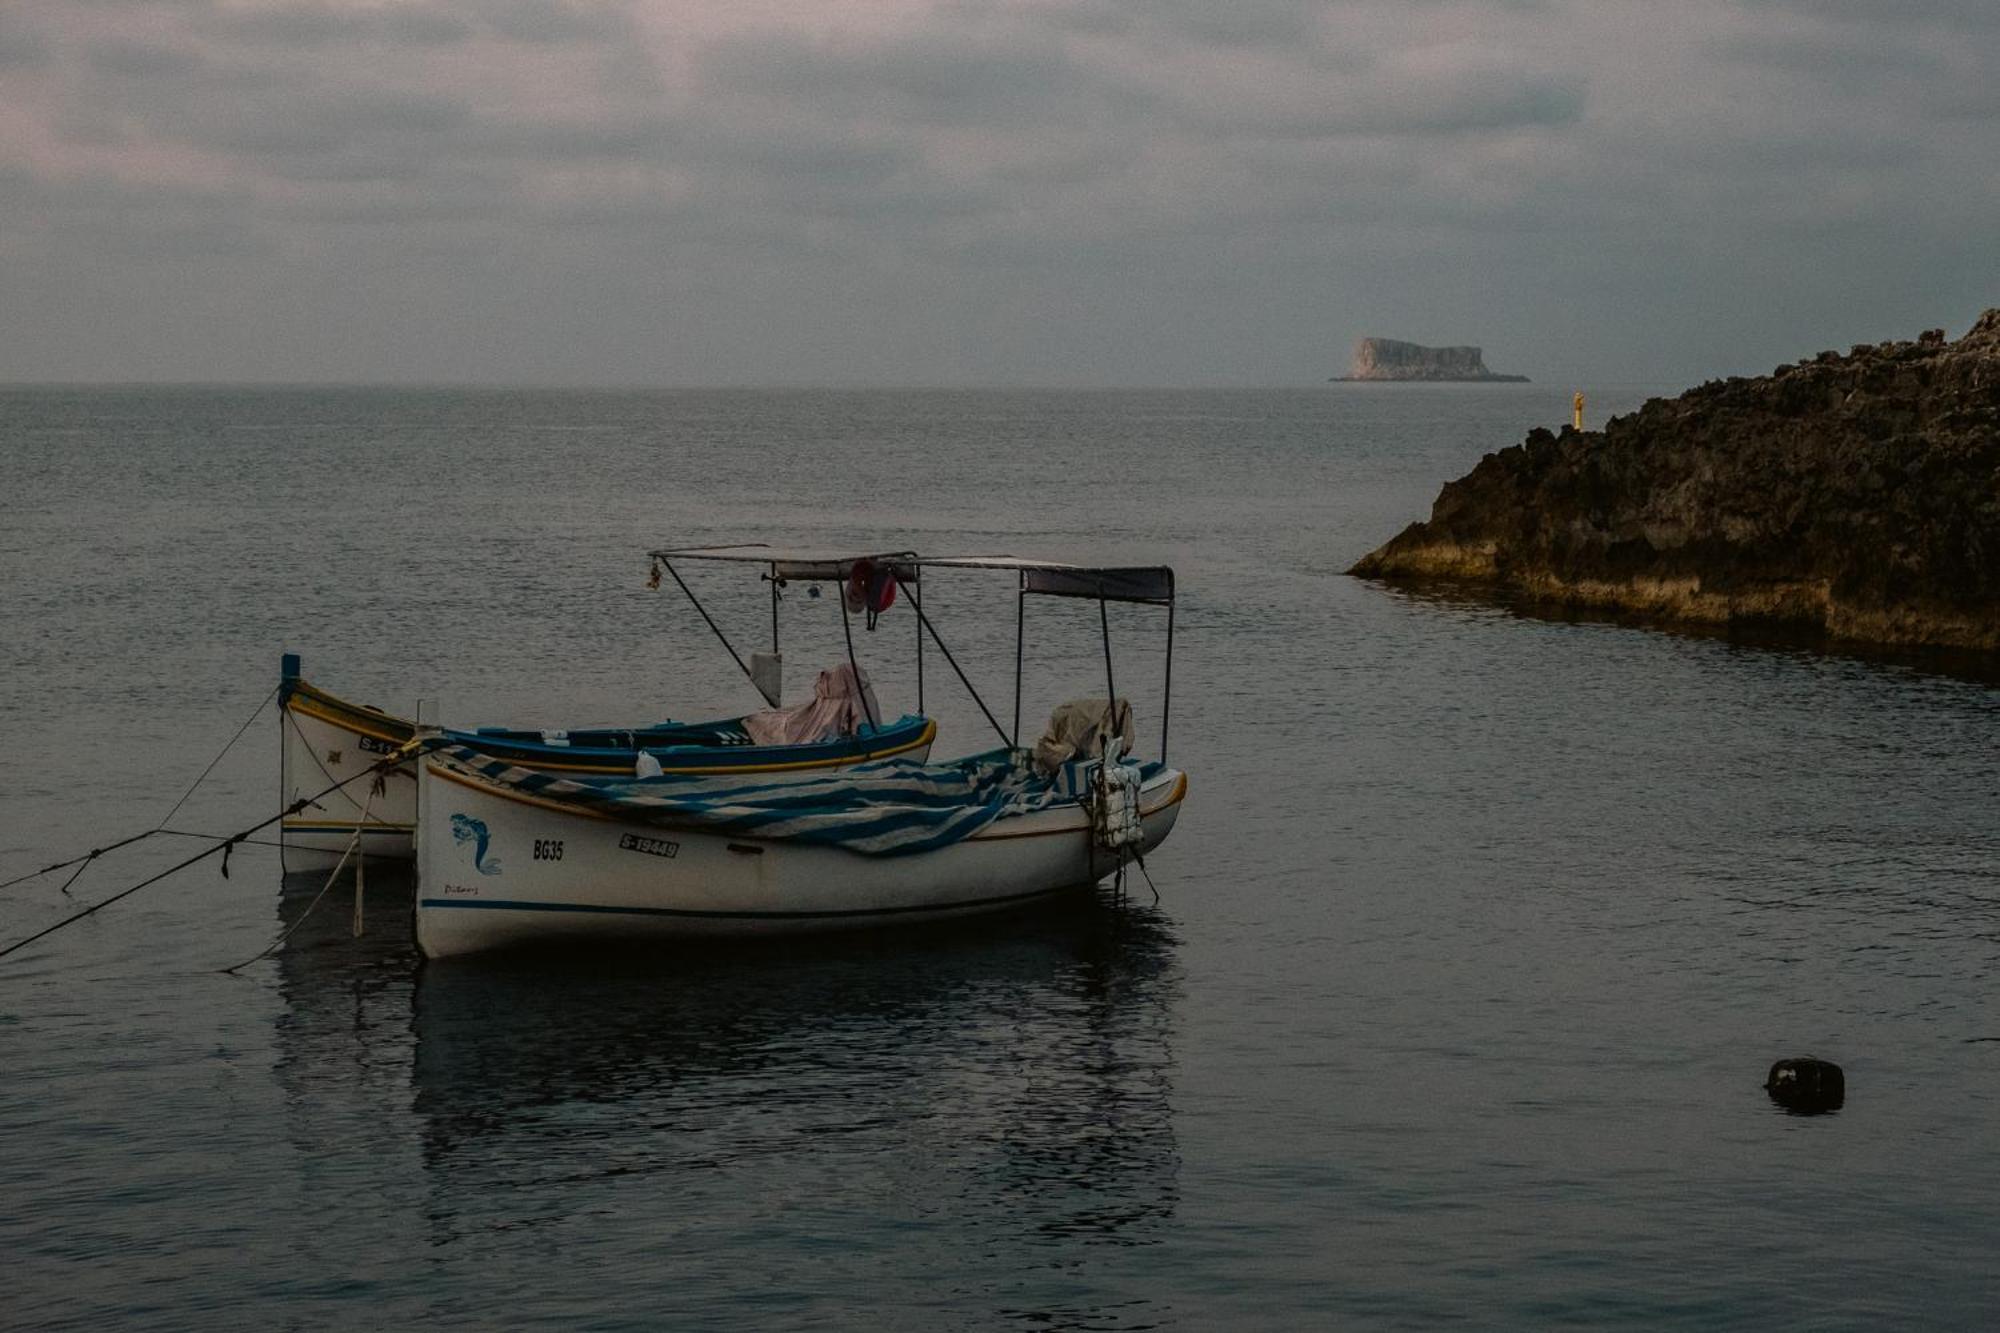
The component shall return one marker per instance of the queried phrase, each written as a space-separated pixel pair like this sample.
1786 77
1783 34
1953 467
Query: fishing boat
329 740
509 856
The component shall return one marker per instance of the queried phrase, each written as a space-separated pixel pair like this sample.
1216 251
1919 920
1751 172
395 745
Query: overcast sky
1117 192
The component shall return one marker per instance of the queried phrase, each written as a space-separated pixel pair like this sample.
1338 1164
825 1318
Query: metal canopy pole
1104 619
1020 638
970 689
917 601
774 608
848 630
1167 693
710 619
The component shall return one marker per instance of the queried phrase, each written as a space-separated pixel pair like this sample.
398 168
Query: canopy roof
1113 583
796 562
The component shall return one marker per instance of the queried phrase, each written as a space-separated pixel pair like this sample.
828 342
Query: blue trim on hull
596 909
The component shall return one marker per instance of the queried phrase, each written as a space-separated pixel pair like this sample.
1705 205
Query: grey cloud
142 59
319 122
1246 23
425 26
1094 159
1767 153
113 221
290 25
1908 64
553 21
23 45
645 139
1975 102
1010 78
1900 16
913 203
810 155
1505 104
1129 163
90 127
314 24
440 202
939 79
1541 101
1467 104
1842 53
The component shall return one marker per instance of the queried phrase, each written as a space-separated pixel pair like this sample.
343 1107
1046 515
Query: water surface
1475 939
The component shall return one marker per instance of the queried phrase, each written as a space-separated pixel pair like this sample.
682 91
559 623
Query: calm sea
1473 945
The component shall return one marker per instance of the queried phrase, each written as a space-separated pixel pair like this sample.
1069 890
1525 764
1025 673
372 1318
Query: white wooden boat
328 739
500 866
509 857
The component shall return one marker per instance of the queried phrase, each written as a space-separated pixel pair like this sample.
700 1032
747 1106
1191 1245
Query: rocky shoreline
1856 495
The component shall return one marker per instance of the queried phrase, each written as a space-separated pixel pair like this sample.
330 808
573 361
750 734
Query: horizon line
551 386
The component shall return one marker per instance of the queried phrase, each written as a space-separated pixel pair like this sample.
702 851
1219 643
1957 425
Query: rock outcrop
1388 359
1856 494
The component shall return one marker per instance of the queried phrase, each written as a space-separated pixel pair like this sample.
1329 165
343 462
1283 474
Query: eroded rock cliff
1388 359
1858 494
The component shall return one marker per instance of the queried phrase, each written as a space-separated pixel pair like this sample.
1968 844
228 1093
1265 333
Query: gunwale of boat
1174 778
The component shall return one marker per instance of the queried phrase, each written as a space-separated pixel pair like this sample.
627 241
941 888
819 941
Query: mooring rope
82 863
352 843
221 837
168 817
380 766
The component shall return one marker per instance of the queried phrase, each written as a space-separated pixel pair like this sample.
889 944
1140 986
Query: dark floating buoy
1807 1086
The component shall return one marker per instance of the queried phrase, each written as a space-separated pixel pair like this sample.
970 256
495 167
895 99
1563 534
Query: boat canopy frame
1146 585
781 566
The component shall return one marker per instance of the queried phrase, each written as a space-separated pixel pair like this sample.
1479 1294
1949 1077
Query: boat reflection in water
960 1114
1033 1051
336 985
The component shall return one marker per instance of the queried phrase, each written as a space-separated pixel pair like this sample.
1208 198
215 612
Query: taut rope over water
82 863
381 766
374 790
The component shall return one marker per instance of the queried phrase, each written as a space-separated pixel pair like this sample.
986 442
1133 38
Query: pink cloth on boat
840 704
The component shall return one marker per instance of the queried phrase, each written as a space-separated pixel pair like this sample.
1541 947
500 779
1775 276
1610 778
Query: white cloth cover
1077 730
840 704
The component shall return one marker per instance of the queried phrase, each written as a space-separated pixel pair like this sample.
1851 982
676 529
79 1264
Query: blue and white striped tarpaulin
888 808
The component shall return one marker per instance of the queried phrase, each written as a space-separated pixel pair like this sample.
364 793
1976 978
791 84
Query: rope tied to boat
82 862
1111 799
383 765
375 788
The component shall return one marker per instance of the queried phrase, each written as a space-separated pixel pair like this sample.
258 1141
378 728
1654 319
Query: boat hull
328 740
541 873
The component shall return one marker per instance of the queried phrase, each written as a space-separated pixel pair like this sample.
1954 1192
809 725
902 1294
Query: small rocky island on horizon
1856 494
1379 360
